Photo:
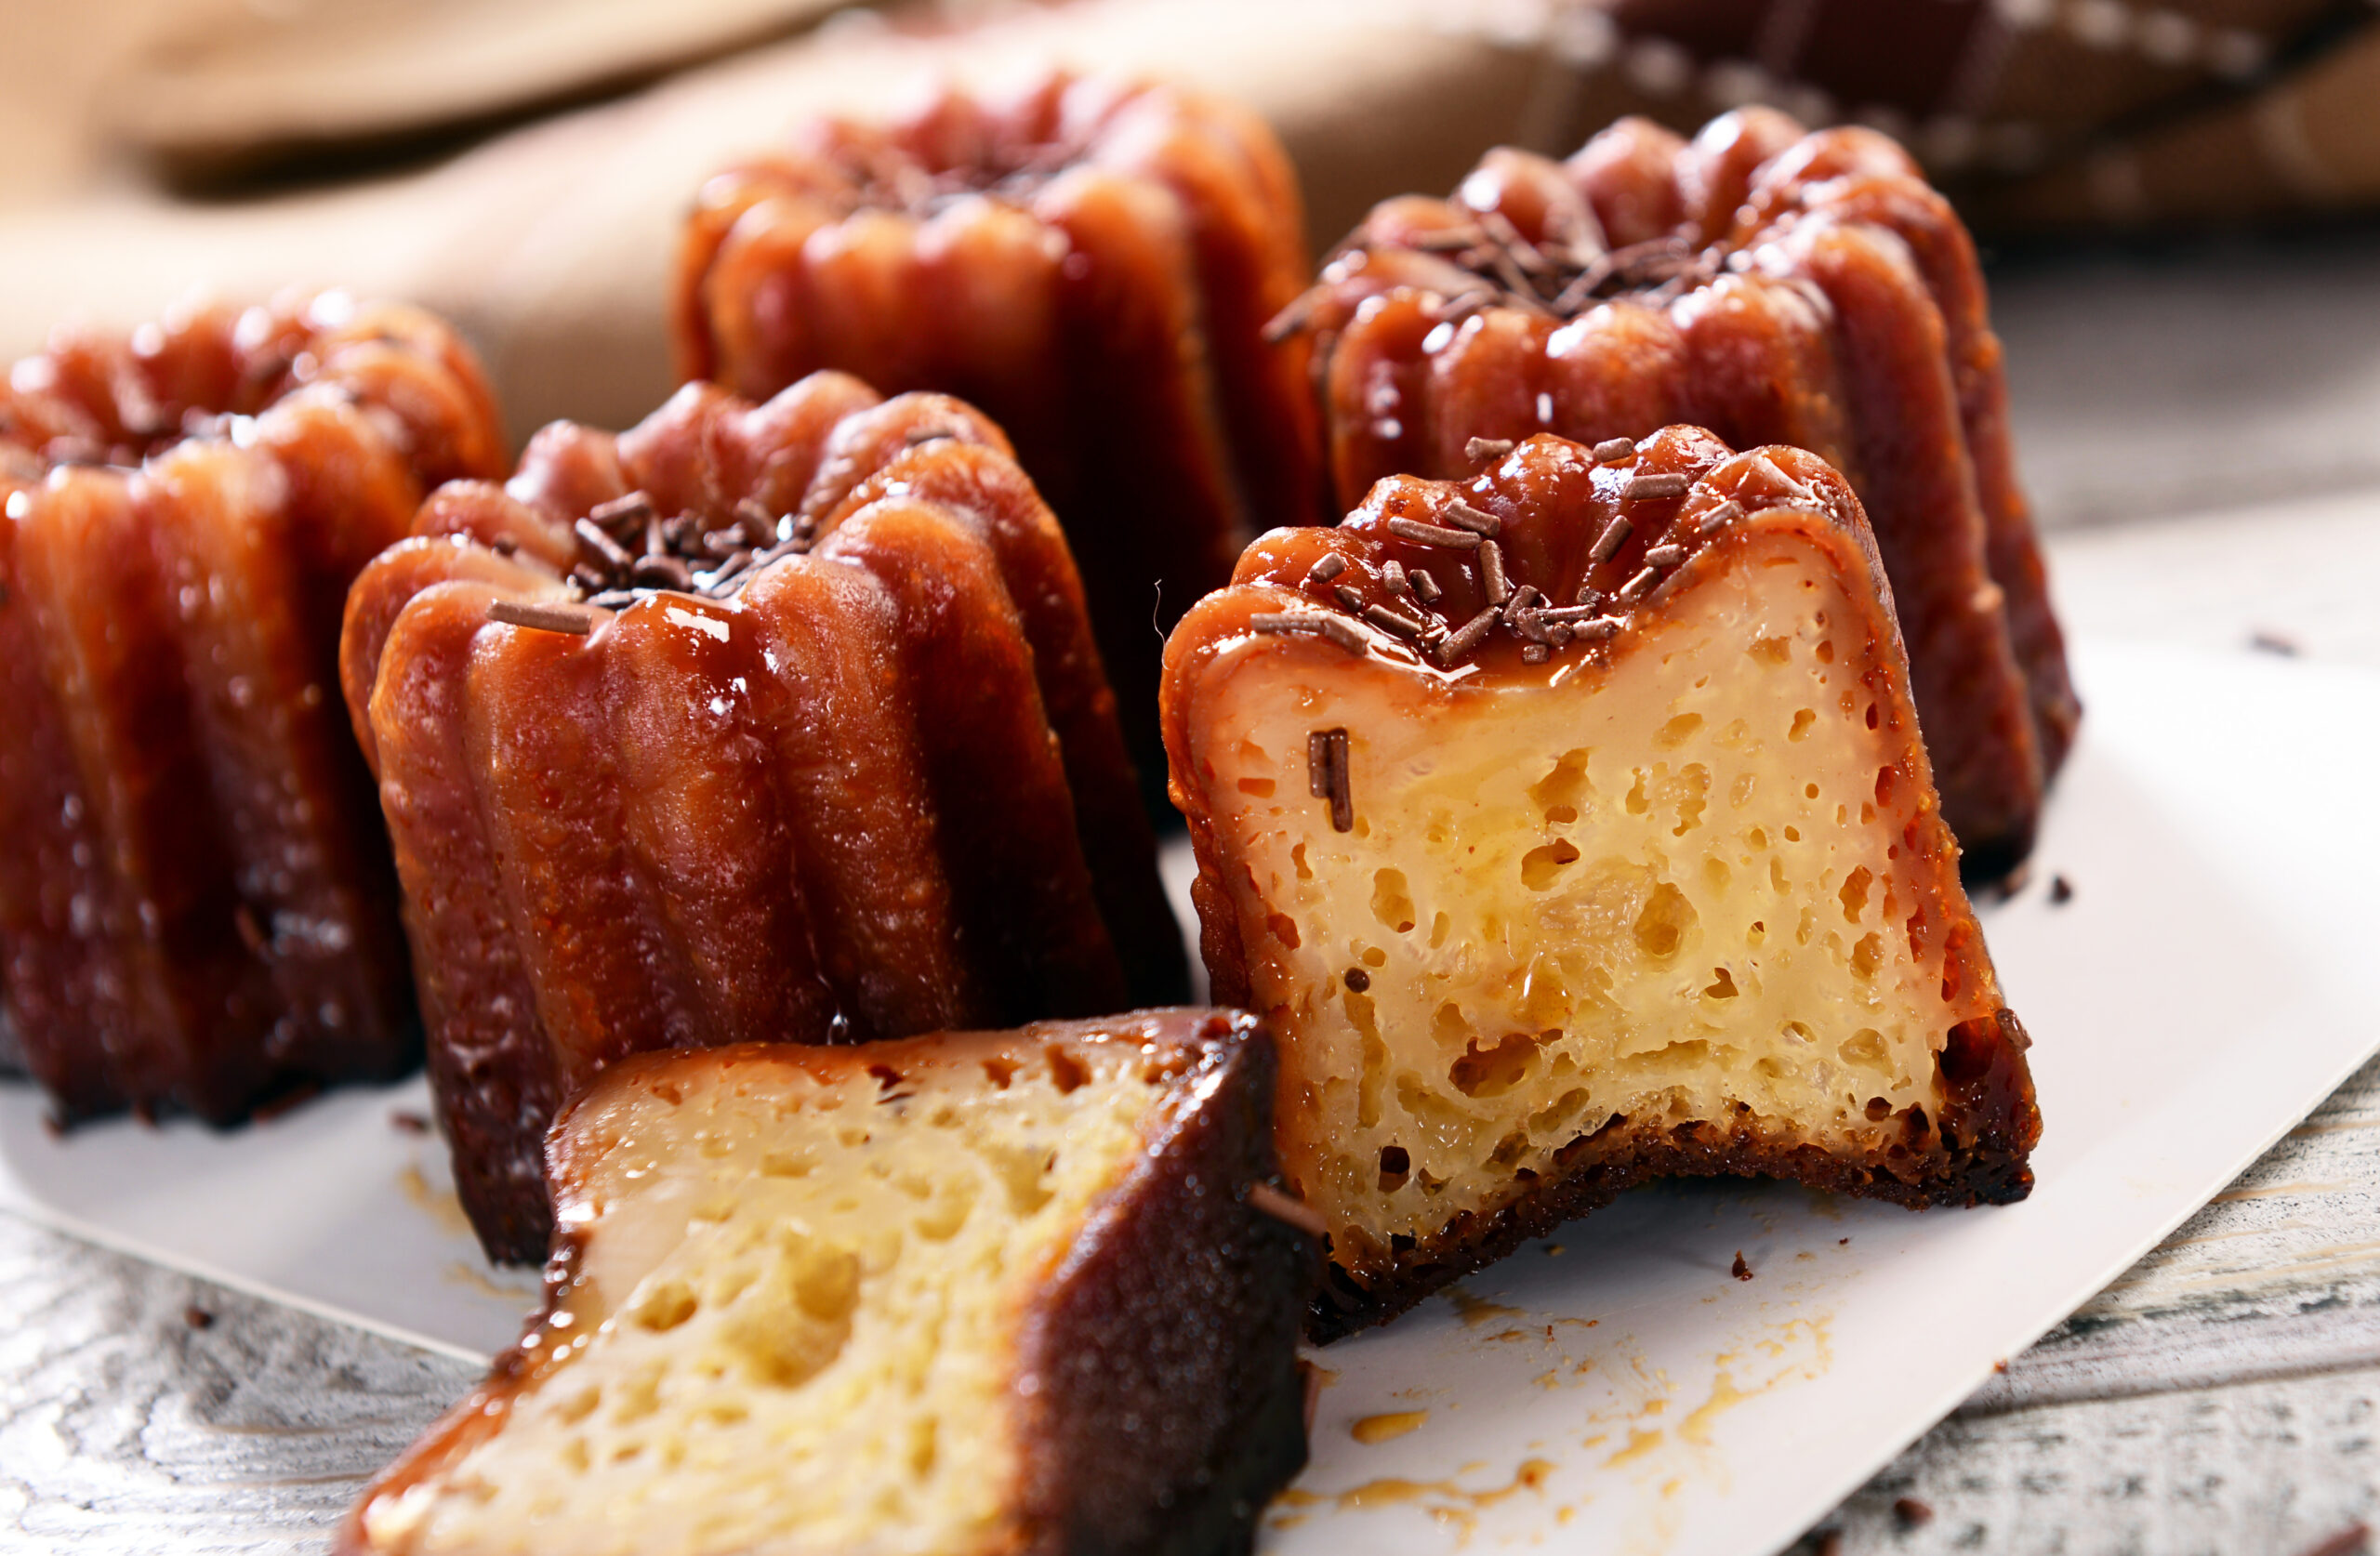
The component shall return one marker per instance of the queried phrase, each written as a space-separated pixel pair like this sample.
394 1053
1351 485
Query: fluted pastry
196 907
1091 262
1775 288
977 1293
754 722
1570 826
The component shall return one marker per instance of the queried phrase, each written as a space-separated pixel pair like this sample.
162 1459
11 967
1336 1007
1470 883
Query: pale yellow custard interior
1666 888
794 1328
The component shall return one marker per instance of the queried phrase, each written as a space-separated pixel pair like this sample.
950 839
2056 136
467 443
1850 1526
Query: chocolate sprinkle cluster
626 549
1561 275
891 178
1526 611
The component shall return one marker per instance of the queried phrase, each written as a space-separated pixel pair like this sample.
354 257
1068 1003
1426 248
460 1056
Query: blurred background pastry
532 187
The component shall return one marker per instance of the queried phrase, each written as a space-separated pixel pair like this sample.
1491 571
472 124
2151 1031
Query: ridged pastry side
1569 827
1001 1292
875 788
1775 287
196 905
1091 262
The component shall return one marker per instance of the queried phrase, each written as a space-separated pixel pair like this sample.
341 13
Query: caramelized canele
1775 288
196 908
978 1294
1570 826
1091 262
754 722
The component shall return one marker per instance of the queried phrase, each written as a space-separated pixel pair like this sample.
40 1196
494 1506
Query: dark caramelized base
1980 1155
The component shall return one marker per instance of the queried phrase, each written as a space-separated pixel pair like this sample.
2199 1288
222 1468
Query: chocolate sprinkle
1615 535
1271 1201
1492 581
1398 622
1325 775
1330 567
1301 623
1432 534
1670 483
1535 654
1469 636
1487 448
1425 587
574 620
622 512
1349 598
1724 514
599 548
660 571
1634 590
1467 517
1666 556
1613 448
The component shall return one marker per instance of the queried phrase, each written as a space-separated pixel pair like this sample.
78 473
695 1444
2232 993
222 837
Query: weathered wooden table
2203 433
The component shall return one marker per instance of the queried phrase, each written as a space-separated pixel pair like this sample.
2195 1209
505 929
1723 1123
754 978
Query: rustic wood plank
2272 1468
2278 1277
126 1427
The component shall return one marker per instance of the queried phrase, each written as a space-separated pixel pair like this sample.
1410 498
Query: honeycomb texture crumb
1666 889
791 1324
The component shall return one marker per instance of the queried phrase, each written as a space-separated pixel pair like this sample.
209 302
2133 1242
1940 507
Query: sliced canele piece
755 722
974 1294
1570 826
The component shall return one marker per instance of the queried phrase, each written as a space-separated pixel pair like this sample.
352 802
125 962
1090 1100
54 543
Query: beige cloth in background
549 243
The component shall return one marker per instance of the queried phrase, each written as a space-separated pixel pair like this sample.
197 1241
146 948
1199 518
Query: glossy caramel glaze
1775 288
196 907
1092 262
1342 606
873 788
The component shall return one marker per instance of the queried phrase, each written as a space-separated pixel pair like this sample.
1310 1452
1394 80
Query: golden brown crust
1158 1400
195 896
1548 503
1091 262
1775 287
869 786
